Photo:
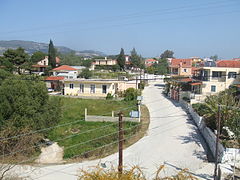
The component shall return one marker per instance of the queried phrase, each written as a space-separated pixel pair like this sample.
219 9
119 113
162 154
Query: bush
109 96
200 108
86 73
131 94
186 99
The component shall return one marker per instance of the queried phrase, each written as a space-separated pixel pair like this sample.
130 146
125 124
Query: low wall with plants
208 135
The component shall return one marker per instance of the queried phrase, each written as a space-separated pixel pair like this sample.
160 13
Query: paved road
172 140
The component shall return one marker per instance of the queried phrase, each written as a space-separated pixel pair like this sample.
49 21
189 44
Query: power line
138 14
100 147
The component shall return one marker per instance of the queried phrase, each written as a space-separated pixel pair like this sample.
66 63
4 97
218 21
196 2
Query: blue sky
188 27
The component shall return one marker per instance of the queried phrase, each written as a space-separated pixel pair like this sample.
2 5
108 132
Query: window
104 89
92 88
184 70
232 75
216 74
81 88
213 88
71 86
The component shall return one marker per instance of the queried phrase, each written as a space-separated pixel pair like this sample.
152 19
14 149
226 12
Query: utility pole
120 143
217 141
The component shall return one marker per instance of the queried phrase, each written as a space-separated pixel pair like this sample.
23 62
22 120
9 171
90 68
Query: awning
196 83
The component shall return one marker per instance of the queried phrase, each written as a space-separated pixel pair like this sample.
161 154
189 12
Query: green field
77 137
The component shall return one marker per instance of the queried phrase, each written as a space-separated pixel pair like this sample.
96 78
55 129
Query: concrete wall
226 156
90 118
208 135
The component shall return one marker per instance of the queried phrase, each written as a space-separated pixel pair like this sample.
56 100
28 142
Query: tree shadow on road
201 175
196 137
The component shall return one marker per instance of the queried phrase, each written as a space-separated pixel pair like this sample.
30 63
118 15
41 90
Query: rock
51 154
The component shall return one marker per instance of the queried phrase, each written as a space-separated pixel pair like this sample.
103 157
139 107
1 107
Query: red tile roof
150 60
228 63
64 67
186 80
181 63
54 78
196 83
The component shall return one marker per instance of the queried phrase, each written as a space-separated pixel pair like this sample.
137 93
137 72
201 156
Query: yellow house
90 87
95 87
216 79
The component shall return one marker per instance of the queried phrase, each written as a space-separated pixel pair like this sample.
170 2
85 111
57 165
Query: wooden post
120 143
85 114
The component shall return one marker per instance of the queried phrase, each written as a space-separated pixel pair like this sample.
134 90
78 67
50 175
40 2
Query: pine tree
121 59
135 58
51 54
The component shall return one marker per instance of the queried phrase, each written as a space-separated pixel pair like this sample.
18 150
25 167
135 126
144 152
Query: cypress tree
51 54
121 59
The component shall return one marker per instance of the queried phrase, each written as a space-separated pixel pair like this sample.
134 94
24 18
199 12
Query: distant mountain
31 47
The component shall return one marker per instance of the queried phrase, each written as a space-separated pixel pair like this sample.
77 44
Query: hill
32 47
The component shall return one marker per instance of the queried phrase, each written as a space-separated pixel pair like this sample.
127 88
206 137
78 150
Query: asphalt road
172 139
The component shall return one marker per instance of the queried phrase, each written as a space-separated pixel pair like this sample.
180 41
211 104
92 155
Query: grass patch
77 138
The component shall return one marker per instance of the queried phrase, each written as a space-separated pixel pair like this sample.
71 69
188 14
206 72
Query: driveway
172 139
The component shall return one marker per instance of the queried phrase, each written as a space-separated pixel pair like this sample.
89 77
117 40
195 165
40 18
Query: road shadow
194 136
159 85
204 176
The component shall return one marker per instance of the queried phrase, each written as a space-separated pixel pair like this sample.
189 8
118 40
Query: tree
37 56
17 57
121 59
131 94
226 100
214 58
167 54
86 73
52 54
136 59
3 75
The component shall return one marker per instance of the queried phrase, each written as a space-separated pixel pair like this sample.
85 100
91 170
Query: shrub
109 96
131 94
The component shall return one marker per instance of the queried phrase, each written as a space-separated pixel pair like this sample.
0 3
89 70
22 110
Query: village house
65 71
41 65
95 87
181 67
103 62
217 77
210 79
54 83
150 62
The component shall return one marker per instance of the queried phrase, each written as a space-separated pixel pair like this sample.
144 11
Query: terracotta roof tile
64 67
54 78
181 63
228 63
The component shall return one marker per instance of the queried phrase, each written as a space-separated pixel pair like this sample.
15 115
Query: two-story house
181 67
41 65
217 76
